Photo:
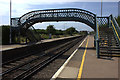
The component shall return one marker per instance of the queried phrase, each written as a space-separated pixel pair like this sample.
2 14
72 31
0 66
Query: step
112 47
110 44
108 49
109 55
102 39
110 52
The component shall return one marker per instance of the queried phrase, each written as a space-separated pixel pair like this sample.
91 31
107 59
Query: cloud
20 7
54 1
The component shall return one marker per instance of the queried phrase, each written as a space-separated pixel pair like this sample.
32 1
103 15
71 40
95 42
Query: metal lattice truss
69 14
103 21
15 22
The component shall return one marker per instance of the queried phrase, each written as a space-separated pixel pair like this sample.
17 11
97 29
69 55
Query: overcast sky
20 7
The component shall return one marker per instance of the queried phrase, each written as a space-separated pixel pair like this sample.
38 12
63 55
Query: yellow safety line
82 63
115 30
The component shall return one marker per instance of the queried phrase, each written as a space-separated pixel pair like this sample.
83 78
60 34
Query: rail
37 63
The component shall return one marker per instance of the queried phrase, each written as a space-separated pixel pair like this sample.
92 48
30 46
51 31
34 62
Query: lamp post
10 22
101 7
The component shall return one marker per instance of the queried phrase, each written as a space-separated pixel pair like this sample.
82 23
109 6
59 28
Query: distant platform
8 47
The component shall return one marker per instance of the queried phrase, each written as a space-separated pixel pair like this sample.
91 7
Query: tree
92 32
50 29
59 32
71 30
41 31
5 34
83 33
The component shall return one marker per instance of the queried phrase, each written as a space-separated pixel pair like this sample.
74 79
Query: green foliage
83 33
56 33
71 31
44 36
5 30
59 32
51 29
91 33
41 31
5 37
5 34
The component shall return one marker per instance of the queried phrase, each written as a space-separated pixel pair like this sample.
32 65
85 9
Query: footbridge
107 37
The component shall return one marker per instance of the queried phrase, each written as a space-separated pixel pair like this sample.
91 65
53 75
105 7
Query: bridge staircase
32 35
109 38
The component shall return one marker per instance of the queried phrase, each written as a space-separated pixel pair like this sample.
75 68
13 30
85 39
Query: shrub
5 34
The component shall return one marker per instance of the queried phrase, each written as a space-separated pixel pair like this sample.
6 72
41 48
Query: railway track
24 69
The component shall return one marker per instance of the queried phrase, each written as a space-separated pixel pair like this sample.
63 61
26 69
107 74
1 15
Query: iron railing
66 14
115 27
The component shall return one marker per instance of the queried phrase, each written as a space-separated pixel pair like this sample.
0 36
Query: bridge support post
97 49
94 40
97 39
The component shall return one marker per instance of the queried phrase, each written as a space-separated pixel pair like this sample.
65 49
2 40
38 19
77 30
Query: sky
20 7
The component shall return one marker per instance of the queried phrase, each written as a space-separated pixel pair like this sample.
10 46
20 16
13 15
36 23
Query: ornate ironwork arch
67 14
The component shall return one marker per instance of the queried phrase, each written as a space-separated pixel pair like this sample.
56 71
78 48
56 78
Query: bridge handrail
27 15
116 28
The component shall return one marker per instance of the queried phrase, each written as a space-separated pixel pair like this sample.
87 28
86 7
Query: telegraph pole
101 7
10 22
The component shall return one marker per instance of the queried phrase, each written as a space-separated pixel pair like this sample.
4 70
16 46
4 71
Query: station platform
84 65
